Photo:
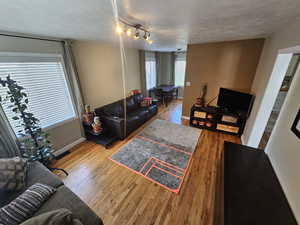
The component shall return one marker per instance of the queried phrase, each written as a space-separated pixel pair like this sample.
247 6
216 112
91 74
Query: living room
122 112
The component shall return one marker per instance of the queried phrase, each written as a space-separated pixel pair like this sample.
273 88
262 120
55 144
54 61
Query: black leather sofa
112 115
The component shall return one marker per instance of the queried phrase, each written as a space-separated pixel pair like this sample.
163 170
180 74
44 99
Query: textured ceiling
174 23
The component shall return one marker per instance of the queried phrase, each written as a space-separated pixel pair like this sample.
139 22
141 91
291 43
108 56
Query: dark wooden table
167 92
252 192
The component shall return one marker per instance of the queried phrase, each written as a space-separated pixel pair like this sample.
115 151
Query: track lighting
128 30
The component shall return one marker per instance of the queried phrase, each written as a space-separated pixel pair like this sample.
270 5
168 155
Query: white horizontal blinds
44 81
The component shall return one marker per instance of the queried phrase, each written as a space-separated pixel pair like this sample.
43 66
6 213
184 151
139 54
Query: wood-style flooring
121 197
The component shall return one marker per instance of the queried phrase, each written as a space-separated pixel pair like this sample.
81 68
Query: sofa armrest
114 124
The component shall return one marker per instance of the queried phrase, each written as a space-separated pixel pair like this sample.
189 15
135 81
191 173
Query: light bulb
137 35
119 29
128 32
147 36
149 42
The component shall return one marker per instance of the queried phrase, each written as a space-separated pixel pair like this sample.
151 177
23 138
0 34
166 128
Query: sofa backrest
117 108
138 98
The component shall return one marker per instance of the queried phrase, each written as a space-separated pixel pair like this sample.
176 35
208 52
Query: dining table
167 92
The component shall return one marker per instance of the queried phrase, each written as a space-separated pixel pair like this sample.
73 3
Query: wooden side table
105 138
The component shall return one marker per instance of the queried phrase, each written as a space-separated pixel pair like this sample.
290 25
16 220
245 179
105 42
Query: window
179 72
150 74
44 80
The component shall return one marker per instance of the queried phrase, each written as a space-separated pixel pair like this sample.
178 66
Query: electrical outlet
188 83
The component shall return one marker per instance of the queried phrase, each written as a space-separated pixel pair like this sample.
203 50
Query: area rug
162 153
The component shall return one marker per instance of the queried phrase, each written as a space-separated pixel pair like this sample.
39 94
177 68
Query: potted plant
33 142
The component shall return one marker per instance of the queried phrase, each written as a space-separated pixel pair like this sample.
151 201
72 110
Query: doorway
292 68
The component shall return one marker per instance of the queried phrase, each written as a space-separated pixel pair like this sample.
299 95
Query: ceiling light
122 24
146 36
119 29
136 35
128 32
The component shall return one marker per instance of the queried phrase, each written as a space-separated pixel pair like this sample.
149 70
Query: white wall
100 71
267 102
14 44
285 38
283 147
63 134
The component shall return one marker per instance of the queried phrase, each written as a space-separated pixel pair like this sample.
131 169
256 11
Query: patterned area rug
162 153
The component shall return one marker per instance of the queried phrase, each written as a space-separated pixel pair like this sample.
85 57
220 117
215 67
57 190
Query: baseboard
185 117
68 147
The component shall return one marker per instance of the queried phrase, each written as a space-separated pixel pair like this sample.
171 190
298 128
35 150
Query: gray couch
63 198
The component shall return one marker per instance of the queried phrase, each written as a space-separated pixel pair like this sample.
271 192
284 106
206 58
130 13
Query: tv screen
234 100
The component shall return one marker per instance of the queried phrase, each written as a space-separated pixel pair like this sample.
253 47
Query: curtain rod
30 37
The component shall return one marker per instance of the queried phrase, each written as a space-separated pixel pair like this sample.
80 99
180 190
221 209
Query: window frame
7 55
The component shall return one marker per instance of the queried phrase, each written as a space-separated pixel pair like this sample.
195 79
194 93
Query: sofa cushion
131 105
141 113
152 110
132 122
25 205
55 217
65 198
13 173
37 173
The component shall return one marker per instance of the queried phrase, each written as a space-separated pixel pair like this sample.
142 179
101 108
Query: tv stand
218 119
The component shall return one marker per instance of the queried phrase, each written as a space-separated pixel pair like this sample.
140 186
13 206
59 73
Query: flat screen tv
234 100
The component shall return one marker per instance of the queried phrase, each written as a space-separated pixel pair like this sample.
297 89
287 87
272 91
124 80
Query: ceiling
173 23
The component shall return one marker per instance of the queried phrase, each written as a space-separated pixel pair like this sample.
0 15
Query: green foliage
34 143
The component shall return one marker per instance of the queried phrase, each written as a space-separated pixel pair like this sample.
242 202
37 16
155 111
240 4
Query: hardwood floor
121 197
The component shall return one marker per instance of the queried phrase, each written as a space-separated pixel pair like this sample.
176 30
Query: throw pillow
55 217
12 174
25 205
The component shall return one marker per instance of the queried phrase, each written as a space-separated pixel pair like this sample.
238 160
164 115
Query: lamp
136 35
146 36
138 28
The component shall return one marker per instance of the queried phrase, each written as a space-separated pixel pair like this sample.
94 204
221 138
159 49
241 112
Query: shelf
91 132
229 124
217 114
203 127
105 138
